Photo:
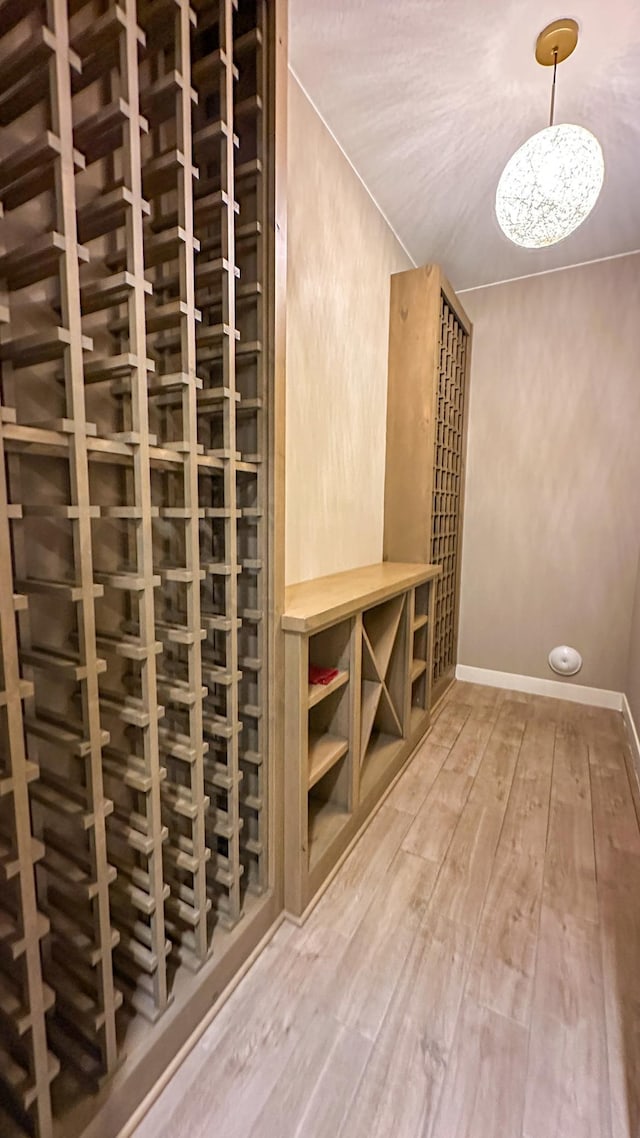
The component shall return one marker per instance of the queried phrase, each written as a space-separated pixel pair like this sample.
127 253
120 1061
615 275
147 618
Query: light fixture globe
549 186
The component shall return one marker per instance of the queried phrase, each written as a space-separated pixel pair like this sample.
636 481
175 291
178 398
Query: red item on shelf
321 675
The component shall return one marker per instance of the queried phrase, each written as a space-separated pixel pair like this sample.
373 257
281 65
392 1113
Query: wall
341 254
552 518
632 686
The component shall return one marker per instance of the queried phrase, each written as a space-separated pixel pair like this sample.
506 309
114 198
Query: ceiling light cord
553 86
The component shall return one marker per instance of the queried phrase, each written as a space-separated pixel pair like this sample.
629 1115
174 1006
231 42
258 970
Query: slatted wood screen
447 486
133 521
429 362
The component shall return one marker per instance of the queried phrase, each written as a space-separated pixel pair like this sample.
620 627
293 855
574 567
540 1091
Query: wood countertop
312 605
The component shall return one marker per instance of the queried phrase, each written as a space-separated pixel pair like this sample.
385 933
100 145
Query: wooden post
80 497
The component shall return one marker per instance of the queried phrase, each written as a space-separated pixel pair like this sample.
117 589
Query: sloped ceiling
429 99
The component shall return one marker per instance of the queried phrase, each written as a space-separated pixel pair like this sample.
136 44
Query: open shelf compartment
328 808
348 739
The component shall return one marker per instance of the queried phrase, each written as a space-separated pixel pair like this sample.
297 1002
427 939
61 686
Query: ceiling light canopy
551 184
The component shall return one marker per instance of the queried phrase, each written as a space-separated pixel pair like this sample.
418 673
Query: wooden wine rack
447 486
138 494
429 359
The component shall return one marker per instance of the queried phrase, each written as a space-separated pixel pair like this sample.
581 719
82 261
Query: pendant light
553 181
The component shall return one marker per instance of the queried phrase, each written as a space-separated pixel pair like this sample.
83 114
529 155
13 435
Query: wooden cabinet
429 357
346 740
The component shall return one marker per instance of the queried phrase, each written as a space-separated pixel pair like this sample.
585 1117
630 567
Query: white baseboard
634 735
557 689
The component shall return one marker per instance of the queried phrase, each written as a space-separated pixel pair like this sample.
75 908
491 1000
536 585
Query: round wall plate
561 36
564 660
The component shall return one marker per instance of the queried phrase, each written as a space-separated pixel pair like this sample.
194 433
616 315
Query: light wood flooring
473 971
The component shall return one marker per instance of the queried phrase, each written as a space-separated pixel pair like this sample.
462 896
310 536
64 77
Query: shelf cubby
347 740
328 809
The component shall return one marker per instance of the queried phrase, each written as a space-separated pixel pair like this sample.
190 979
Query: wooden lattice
447 492
133 522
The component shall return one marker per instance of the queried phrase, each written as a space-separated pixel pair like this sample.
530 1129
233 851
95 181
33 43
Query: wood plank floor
473 971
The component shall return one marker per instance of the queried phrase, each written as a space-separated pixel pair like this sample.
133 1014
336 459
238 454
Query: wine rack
137 319
447 485
350 732
429 365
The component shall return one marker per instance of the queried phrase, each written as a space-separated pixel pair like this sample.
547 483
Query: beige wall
553 485
632 686
341 255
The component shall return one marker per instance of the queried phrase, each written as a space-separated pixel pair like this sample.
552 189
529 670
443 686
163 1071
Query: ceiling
429 99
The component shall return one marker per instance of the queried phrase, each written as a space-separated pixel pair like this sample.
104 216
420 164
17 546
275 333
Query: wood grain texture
411 790
374 960
141 496
435 823
503 967
489 990
412 1047
324 600
617 848
570 877
460 889
448 723
414 356
620 944
484 1088
567 1082
466 753
349 896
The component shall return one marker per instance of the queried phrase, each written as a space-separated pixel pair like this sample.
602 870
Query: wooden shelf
324 752
205 72
28 159
211 133
39 347
158 100
318 692
362 738
61 664
420 622
36 261
25 60
108 292
315 604
161 174
100 32
326 820
114 367
158 248
107 213
418 668
60 590
249 107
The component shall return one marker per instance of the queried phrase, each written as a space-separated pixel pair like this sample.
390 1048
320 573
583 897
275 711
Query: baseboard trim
556 689
633 734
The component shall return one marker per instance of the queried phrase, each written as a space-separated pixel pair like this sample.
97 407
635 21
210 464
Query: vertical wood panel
429 356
